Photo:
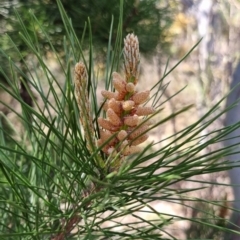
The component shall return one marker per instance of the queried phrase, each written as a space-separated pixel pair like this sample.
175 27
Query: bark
233 117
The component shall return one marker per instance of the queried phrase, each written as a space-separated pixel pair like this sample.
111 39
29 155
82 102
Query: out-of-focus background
167 30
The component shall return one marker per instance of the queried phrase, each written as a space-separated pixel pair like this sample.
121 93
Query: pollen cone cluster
125 126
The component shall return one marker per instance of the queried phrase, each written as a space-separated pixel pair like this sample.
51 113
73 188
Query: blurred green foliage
148 19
